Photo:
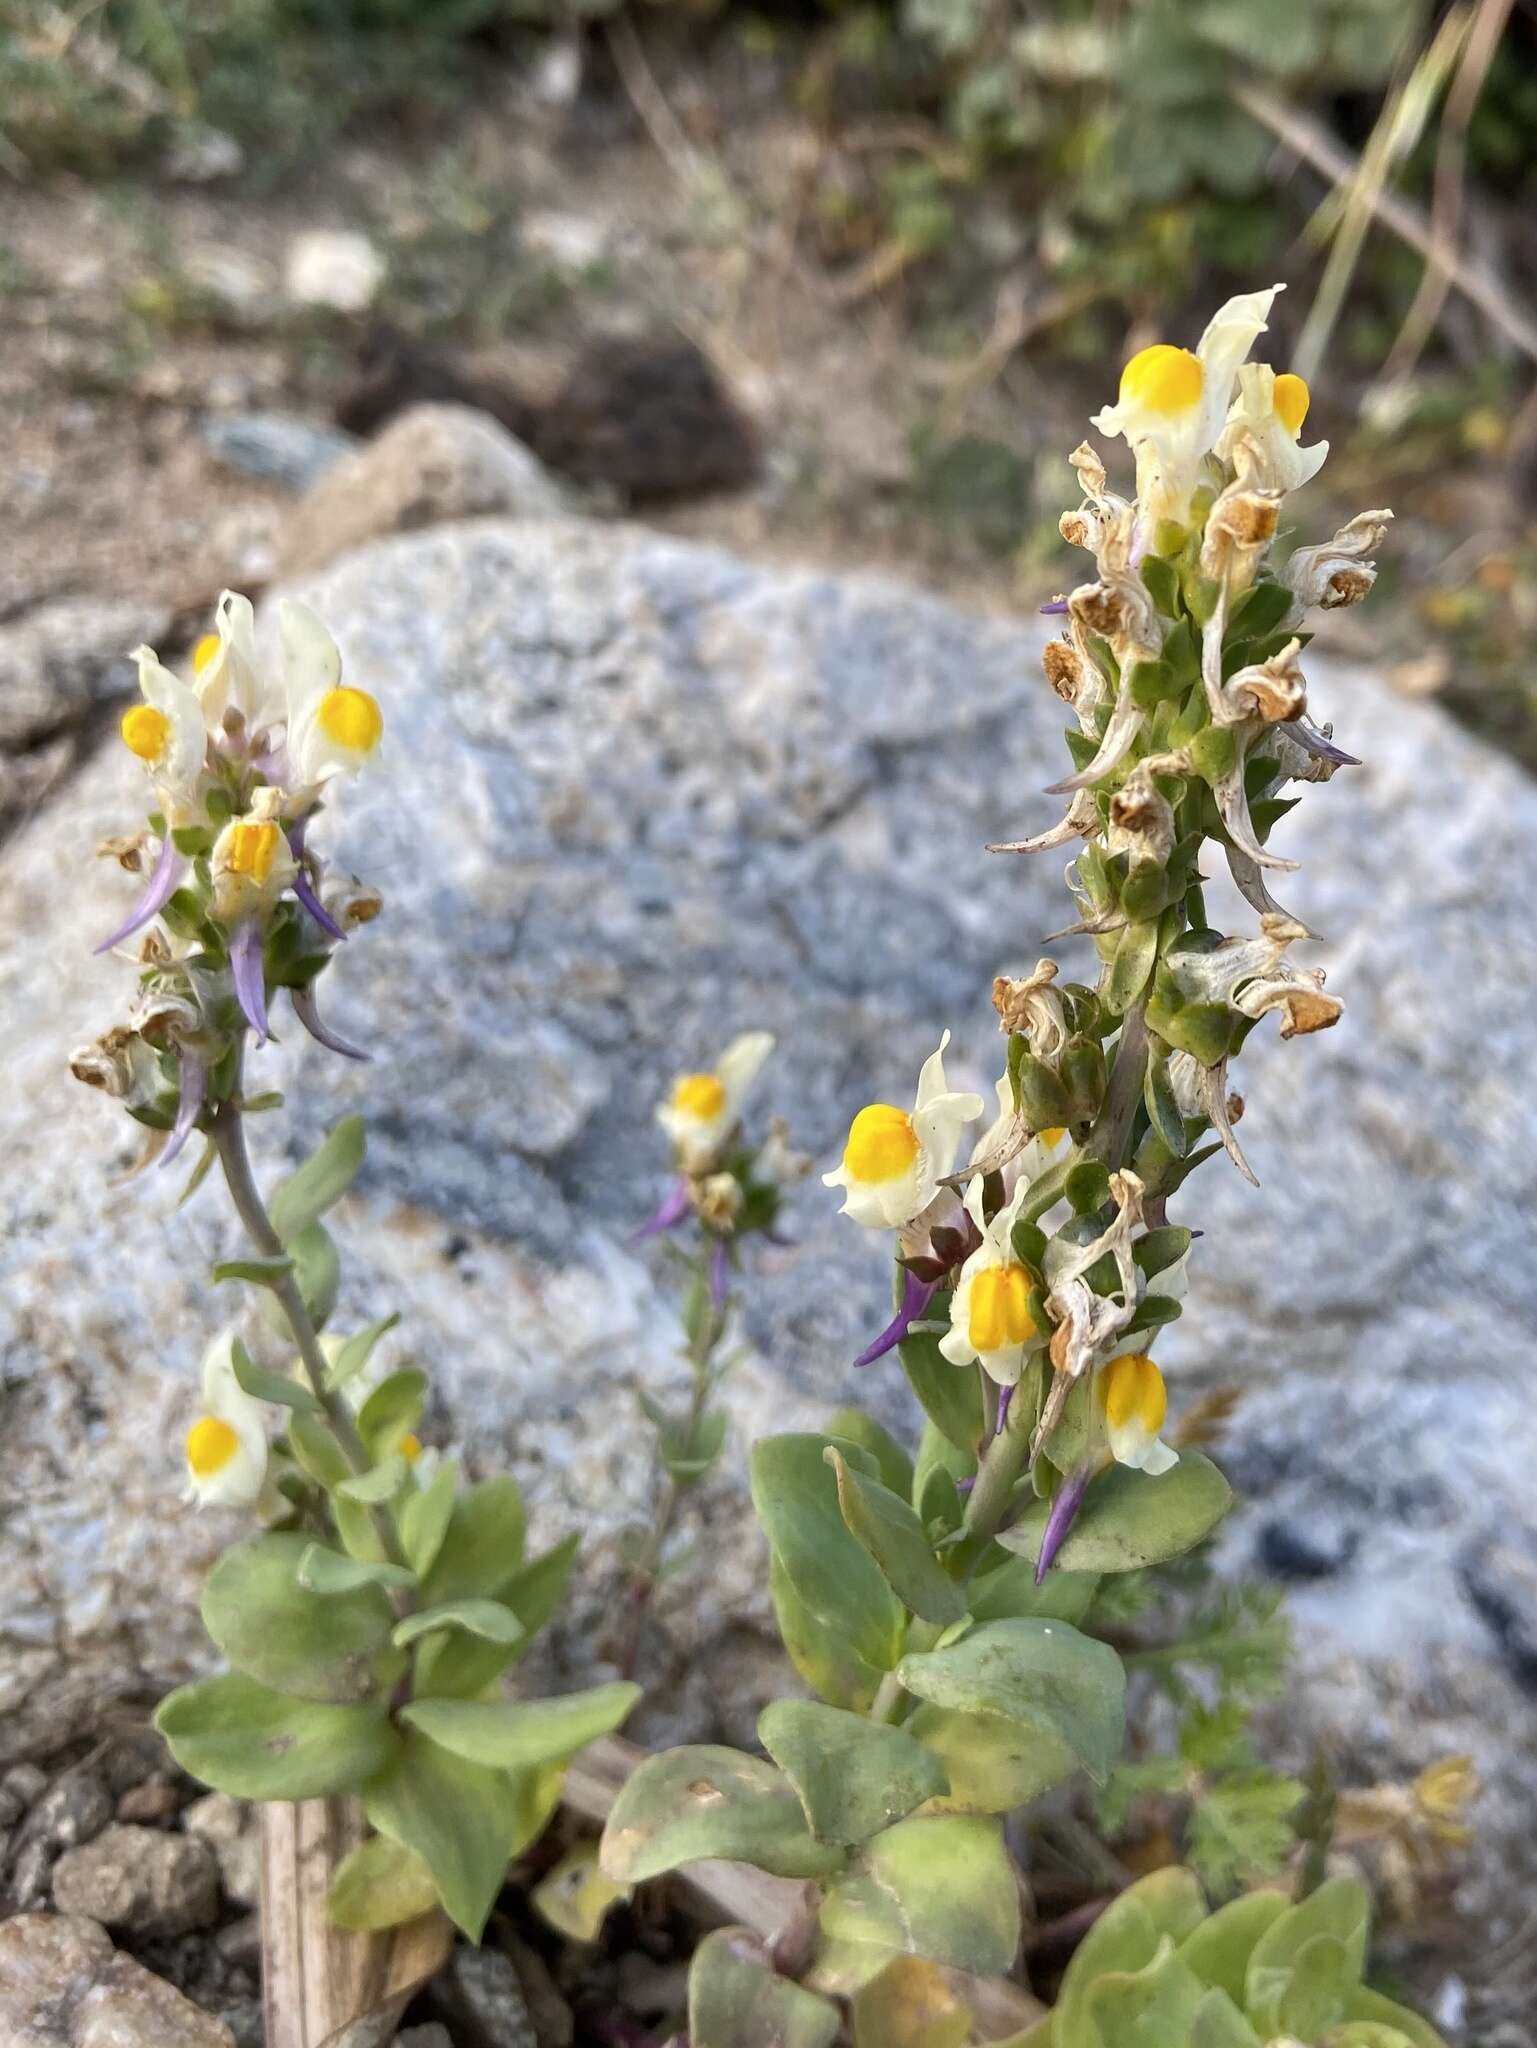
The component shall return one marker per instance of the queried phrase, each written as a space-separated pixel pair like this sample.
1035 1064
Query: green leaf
276 1387
483 1547
318 1452
1219 1949
380 1884
821 1654
737 2000
355 1353
1129 1520
1217 2023
1167 1905
993 1763
317 1269
259 1272
894 1467
458 1817
1009 1590
392 1411
1149 2008
423 1518
853 1776
1339 1911
949 1397
796 1498
1368 2005
320 1182
271 1628
245 1739
1043 1673
940 1886
379 1485
709 1801
459 1666
884 1525
488 1619
911 2003
328 1573
514 1734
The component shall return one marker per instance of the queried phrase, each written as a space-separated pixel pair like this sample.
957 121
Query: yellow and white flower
1174 402
226 673
333 729
252 862
1268 414
990 1318
227 1446
894 1160
703 1109
166 732
1133 1401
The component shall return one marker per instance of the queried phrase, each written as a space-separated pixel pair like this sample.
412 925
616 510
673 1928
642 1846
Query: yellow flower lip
699 1095
882 1143
211 1444
205 651
998 1310
144 731
1133 1394
1163 379
252 848
410 1447
1292 399
351 719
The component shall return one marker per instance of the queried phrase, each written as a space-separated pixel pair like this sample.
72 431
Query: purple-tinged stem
307 1010
674 1207
916 1296
194 1091
1005 1396
245 959
167 872
1064 1512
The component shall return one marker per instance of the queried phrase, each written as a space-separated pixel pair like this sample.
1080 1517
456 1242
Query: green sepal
1131 1519
523 1734
1043 1099
458 1817
1162 579
254 1743
278 1632
313 1188
853 1776
1088 1186
1214 753
380 1884
885 1527
939 1885
1161 1248
1046 1674
704 1801
1163 1112
1132 962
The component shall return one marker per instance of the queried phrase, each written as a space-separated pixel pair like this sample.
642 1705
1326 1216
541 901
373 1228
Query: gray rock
62 659
62 1985
430 2036
229 1827
142 1880
636 796
74 1810
432 464
479 1996
277 447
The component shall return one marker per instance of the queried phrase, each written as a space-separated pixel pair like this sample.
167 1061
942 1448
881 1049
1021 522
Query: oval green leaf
1130 1520
511 1734
853 1776
316 1646
1044 1673
245 1739
704 1801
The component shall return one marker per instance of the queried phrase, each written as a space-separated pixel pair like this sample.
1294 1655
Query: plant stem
228 1133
